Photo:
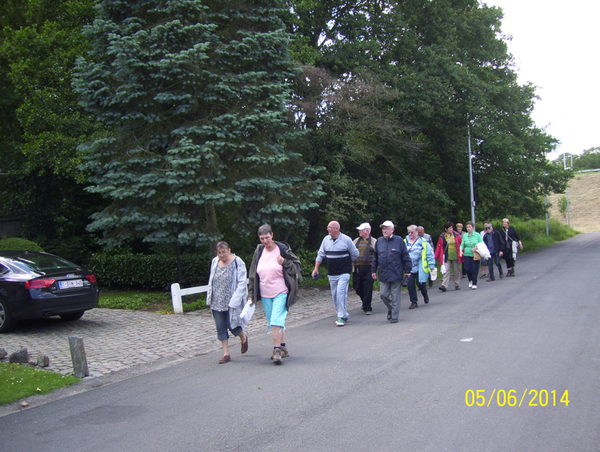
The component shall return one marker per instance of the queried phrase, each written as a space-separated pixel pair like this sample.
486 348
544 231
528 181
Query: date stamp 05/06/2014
530 397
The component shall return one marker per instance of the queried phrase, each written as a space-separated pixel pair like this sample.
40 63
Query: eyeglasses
412 232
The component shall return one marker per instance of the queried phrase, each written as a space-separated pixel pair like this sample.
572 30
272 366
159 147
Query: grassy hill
584 195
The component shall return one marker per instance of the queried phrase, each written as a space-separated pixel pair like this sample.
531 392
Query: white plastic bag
433 274
247 312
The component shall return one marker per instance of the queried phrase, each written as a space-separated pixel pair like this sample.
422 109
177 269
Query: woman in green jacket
469 244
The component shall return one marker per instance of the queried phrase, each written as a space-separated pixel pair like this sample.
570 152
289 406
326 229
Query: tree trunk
211 226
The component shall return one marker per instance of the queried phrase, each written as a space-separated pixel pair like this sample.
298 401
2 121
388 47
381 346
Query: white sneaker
470 284
474 287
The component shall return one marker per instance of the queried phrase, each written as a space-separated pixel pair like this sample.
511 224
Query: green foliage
150 301
16 243
533 232
563 205
195 95
590 159
18 381
426 71
148 272
44 123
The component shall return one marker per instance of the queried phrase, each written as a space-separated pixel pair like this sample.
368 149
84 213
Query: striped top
340 254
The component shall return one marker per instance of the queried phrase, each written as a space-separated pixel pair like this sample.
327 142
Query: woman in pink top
273 276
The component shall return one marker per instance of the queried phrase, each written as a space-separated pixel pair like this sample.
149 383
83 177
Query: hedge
124 271
17 243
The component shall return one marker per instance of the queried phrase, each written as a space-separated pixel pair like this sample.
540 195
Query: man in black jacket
495 243
392 259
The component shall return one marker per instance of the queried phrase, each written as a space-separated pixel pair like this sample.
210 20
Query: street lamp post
471 176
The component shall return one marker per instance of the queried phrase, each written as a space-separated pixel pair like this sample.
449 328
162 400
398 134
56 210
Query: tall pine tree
196 95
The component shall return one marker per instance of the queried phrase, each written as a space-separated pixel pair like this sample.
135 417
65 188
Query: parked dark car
35 285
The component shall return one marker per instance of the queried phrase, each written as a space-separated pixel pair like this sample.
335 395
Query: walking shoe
442 288
245 345
474 287
284 352
490 279
501 276
225 359
368 312
456 287
470 284
426 298
340 322
277 356
389 316
394 321
413 306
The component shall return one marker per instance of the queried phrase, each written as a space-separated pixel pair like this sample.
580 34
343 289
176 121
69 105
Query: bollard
80 367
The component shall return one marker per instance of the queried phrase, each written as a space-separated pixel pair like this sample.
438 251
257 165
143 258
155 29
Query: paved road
371 385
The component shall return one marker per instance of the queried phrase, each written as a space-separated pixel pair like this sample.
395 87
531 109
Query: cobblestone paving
116 339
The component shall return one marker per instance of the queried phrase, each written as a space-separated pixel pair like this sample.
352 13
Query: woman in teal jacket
469 243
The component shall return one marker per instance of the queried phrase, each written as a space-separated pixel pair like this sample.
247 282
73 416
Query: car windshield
43 263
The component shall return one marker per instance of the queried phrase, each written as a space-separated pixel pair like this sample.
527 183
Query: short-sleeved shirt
270 274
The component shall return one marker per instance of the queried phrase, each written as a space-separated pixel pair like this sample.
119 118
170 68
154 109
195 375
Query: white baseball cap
364 226
387 223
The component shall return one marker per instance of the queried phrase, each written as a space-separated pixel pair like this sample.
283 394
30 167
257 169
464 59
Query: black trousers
508 257
362 282
413 285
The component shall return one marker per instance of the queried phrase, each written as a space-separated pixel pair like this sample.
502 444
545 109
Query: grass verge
149 301
18 381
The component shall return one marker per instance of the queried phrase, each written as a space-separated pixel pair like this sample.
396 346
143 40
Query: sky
556 46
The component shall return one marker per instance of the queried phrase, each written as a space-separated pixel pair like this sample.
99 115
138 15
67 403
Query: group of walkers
395 261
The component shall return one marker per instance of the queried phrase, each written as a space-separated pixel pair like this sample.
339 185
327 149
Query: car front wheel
6 321
73 316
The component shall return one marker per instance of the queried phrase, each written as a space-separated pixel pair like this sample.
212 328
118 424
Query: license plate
70 283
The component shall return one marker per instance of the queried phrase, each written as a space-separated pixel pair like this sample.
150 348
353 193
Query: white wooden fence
177 292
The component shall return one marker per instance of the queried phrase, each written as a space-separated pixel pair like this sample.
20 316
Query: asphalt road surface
520 347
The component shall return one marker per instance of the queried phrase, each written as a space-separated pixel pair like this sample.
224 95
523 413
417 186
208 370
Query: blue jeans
222 323
339 293
495 259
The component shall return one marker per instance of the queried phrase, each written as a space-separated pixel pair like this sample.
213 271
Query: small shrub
563 206
17 243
